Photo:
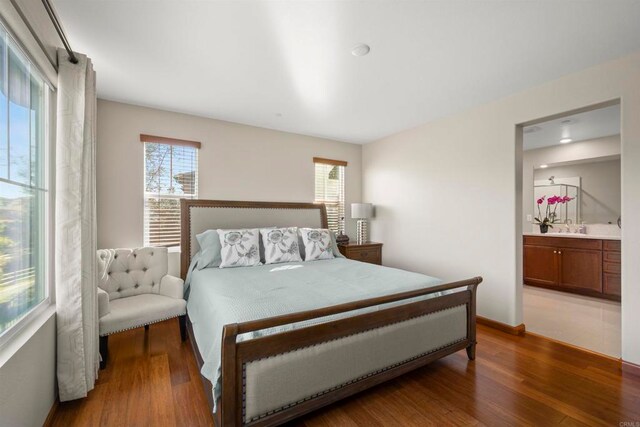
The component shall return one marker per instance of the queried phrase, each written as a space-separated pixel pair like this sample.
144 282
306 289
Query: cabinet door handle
560 252
555 252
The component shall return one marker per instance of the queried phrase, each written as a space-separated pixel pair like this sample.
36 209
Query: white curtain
76 263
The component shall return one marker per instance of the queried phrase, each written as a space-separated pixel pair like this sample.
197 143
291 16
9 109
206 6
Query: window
23 185
170 174
330 189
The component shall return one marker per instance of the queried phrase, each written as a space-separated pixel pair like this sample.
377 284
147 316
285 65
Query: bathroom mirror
595 184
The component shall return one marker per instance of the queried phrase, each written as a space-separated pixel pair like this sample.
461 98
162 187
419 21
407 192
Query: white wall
592 149
600 188
28 379
236 162
449 194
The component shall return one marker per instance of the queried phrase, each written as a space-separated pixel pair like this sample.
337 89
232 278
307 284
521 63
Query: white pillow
240 248
317 243
334 245
280 245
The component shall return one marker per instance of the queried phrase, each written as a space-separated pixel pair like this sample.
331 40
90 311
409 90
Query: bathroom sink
576 235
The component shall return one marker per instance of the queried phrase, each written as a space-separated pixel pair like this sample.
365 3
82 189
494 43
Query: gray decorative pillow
209 242
317 243
240 248
280 245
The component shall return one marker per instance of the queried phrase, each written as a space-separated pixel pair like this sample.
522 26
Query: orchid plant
550 212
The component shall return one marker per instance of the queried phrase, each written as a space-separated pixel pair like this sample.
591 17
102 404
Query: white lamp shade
361 210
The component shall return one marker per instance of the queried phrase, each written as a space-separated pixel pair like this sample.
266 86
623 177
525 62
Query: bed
277 341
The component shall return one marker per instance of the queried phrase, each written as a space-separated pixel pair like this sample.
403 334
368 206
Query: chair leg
146 327
104 351
182 320
471 351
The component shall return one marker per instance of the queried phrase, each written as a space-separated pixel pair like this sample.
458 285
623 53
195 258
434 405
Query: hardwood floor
152 380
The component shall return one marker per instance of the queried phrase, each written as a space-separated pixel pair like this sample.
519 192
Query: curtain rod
56 24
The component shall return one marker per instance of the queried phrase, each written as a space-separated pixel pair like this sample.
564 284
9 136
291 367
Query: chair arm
172 286
103 303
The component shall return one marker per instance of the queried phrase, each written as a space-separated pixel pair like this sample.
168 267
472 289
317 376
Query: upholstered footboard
275 383
272 379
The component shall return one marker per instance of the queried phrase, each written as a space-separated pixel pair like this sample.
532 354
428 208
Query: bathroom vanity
580 264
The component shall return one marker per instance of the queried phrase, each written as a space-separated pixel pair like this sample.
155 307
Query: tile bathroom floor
590 323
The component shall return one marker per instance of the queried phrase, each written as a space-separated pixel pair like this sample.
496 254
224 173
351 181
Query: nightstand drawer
371 255
367 252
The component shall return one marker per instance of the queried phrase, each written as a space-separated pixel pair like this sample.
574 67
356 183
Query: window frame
342 191
160 140
22 323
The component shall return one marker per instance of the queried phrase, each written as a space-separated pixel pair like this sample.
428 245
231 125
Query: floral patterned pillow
240 248
280 245
317 243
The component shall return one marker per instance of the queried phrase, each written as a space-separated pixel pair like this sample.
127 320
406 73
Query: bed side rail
256 325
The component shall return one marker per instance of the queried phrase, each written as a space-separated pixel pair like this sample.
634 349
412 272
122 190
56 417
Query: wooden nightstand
370 252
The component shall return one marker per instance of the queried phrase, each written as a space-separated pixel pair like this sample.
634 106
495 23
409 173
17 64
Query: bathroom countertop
576 236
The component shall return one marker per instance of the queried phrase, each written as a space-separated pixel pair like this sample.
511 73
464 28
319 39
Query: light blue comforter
232 295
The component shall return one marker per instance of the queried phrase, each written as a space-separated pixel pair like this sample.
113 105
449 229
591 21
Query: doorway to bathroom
571 253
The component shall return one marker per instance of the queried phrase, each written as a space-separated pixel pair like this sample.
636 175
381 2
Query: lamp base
342 239
362 231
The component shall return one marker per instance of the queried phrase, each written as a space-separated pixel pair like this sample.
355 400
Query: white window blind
329 189
171 173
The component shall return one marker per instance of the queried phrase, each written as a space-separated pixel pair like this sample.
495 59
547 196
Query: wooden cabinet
611 278
612 285
370 252
578 265
540 265
580 269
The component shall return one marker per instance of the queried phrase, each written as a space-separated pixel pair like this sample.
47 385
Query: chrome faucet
567 224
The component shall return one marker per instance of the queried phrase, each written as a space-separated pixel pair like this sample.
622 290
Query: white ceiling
287 64
579 127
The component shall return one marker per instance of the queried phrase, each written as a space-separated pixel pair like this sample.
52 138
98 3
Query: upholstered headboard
201 215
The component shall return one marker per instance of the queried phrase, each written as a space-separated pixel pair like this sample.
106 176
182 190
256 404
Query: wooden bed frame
235 355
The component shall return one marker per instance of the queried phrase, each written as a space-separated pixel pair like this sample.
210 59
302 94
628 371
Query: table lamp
361 212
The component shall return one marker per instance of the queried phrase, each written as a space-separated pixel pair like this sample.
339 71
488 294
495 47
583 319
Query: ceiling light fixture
565 140
360 50
544 166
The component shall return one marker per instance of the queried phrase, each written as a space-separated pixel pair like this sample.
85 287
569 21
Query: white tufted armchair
135 290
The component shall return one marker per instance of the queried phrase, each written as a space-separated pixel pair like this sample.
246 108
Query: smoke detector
360 50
